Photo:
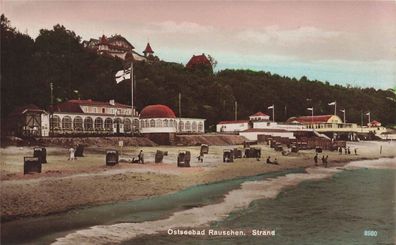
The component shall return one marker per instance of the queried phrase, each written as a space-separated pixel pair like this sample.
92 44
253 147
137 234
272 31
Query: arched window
127 125
98 123
55 122
152 123
194 126
88 123
117 121
158 123
166 123
200 127
135 123
181 126
78 123
66 123
108 124
188 126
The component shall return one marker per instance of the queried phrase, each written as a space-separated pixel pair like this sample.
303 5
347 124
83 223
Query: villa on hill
118 46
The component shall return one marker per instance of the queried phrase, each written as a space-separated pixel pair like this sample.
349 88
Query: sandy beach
64 185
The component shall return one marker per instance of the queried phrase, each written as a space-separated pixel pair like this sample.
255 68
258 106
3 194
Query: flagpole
335 107
312 116
132 97
236 110
273 112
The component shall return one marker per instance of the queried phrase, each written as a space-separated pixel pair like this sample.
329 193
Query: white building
92 117
259 124
162 119
232 126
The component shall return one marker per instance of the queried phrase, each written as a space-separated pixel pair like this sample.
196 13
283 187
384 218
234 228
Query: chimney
112 102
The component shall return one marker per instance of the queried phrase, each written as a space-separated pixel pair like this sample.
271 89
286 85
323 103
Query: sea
350 205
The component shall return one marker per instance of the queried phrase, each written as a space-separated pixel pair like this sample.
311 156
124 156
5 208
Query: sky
342 42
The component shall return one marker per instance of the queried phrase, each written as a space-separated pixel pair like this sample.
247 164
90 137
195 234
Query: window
127 125
158 123
200 127
98 123
67 123
88 123
166 123
78 123
108 124
55 122
152 123
194 126
135 123
188 126
181 126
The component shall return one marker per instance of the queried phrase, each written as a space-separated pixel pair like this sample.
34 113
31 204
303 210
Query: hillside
29 66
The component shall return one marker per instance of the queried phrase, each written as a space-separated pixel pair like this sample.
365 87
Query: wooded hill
29 66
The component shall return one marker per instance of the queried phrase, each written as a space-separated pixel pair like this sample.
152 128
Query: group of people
269 161
324 159
347 150
140 158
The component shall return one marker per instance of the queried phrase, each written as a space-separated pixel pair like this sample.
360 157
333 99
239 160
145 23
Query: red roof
103 40
157 111
259 114
375 123
309 119
148 49
74 105
234 122
198 60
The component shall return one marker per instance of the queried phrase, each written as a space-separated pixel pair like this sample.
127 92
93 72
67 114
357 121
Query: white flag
271 107
368 114
122 75
310 109
332 103
342 110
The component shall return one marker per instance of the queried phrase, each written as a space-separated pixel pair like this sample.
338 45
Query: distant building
28 121
92 117
199 62
159 123
334 127
162 119
258 124
117 46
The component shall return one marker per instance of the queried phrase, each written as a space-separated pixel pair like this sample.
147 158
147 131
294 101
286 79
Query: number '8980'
370 233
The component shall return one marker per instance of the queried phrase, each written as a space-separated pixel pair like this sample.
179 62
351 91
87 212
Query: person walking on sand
340 150
349 150
355 151
323 159
316 159
71 154
327 156
141 157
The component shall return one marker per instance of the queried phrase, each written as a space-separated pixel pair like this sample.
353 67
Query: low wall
209 139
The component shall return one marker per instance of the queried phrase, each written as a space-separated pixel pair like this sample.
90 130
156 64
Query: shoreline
198 180
202 216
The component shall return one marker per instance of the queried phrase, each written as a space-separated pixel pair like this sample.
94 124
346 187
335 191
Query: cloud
179 27
295 37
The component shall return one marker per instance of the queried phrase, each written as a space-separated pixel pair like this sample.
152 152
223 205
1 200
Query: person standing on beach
327 156
355 151
340 150
71 154
349 150
316 159
141 157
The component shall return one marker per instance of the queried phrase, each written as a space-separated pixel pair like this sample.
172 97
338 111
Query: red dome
157 111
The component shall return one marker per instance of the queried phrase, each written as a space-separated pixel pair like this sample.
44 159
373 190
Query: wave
200 216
